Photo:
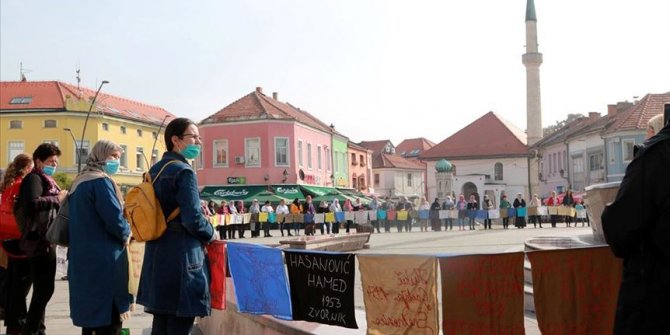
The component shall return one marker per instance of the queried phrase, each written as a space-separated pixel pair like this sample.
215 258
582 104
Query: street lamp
74 140
86 123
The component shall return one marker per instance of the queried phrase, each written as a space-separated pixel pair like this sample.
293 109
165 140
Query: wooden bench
340 242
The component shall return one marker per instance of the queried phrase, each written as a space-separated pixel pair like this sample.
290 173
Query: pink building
260 140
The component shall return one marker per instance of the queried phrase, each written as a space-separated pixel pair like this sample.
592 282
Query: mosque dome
443 165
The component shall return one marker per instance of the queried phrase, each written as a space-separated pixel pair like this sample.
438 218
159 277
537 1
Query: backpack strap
175 212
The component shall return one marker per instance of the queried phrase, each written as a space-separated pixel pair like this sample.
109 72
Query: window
611 151
124 156
627 147
309 156
50 124
318 158
281 151
337 161
577 164
376 179
596 161
14 149
252 151
15 124
139 132
299 153
327 153
354 182
123 129
560 162
20 100
498 171
409 179
353 159
105 126
343 161
54 142
361 160
139 158
220 153
154 157
83 152
200 161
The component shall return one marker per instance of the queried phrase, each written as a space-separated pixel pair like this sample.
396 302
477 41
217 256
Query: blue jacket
98 263
175 274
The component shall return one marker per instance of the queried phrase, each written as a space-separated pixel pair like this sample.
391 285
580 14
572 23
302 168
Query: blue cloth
175 273
381 214
511 212
424 214
309 218
98 263
339 216
260 282
472 213
482 214
272 217
521 212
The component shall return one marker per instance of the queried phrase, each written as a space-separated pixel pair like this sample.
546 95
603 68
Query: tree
560 124
63 181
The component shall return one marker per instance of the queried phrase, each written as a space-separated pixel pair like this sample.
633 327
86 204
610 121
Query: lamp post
74 140
90 108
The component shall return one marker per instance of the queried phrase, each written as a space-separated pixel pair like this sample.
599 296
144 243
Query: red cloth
216 252
8 227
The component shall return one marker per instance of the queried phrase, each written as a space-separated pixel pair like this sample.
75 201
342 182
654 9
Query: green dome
443 165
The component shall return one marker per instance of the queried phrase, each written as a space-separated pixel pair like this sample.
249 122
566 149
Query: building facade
360 167
32 113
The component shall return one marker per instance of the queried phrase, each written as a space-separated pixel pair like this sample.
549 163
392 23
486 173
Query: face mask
111 166
49 170
191 151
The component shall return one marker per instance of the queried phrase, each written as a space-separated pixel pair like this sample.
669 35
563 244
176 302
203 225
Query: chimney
259 89
275 95
596 115
611 110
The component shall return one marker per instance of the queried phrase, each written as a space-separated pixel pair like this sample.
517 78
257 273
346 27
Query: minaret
532 59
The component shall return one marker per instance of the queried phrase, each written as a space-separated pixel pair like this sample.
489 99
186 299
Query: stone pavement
451 242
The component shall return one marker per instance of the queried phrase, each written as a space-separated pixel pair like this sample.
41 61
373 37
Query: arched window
498 171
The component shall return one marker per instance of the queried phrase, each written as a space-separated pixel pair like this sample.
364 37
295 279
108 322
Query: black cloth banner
322 287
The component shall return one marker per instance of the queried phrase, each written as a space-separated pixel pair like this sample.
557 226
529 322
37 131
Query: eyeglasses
194 136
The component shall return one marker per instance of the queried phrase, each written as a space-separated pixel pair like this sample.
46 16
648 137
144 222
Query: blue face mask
111 166
191 151
49 170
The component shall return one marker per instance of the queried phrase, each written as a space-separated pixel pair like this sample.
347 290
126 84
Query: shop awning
288 191
245 193
317 191
355 194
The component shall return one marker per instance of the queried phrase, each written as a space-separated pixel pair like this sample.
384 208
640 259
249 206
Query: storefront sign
287 190
231 193
237 180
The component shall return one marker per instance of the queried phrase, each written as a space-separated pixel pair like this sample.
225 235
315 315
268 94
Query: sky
375 69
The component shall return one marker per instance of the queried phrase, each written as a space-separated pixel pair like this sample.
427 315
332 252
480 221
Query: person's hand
62 195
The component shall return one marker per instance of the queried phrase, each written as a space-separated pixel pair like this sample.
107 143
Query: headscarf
94 166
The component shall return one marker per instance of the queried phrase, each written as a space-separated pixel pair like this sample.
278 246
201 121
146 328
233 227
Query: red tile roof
389 161
375 146
414 146
637 116
256 105
52 95
488 136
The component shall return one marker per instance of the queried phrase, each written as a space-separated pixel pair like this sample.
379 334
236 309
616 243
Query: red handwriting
406 320
412 277
376 293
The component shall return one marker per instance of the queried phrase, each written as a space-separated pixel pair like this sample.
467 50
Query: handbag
58 231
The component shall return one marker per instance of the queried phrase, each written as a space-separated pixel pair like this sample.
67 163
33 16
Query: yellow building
50 111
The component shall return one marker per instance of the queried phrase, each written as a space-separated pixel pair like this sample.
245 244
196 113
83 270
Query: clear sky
375 69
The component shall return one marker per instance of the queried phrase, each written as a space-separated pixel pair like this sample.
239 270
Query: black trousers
113 329
17 286
165 324
42 272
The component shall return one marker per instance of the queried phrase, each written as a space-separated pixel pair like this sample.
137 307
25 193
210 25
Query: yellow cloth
400 294
402 215
263 217
330 217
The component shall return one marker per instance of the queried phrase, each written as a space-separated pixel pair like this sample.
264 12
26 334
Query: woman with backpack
174 285
17 265
97 255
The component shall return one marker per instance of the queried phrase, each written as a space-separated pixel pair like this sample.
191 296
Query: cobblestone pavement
479 241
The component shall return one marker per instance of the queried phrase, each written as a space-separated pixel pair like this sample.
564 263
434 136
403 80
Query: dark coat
35 210
98 262
637 228
175 274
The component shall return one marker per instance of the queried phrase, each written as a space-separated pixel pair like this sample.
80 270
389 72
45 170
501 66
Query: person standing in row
239 209
506 205
224 227
473 206
487 205
97 255
283 209
323 209
17 283
568 201
535 219
424 206
519 202
434 215
296 208
348 207
553 201
310 210
38 202
462 207
374 205
448 205
267 208
255 227
174 285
